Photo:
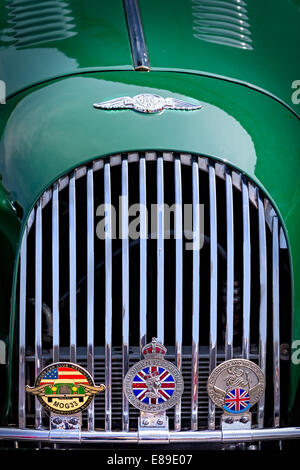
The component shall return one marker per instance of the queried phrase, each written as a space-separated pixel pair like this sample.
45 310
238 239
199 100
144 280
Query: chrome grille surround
113 412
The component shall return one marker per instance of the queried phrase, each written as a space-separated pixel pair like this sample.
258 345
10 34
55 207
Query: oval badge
64 388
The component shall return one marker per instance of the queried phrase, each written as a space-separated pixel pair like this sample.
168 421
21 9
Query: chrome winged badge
147 103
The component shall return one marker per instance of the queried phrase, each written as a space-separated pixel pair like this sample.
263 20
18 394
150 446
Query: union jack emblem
153 385
237 401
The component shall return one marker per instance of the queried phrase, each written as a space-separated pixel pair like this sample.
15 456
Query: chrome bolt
244 419
160 422
57 421
73 421
284 352
229 420
145 422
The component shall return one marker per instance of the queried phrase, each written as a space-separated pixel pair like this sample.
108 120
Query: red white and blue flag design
64 374
237 401
164 385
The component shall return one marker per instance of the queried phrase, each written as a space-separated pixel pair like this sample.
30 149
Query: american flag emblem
237 401
64 374
153 385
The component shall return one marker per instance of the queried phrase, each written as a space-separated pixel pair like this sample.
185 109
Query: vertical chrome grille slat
90 286
276 324
246 271
213 285
125 286
143 252
160 249
196 298
22 330
38 306
263 302
179 279
230 268
108 294
72 267
55 272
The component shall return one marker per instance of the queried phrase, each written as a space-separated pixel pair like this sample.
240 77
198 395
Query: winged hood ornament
147 103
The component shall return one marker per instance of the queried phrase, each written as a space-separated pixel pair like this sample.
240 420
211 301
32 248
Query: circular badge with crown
153 384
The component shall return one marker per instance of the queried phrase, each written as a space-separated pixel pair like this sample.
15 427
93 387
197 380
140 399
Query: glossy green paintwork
10 224
274 28
57 129
94 37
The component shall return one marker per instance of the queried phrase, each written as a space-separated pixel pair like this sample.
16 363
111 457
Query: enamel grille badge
153 384
64 388
147 103
236 385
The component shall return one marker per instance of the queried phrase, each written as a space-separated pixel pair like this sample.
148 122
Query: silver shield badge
153 384
236 385
147 103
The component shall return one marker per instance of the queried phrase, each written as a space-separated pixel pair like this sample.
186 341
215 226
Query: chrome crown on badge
236 385
153 384
147 103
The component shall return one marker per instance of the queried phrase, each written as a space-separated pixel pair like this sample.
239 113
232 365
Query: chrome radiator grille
97 302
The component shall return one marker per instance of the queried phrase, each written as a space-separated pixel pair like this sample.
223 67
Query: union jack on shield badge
153 384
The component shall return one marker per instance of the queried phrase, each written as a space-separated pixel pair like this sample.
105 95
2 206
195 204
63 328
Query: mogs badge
64 388
236 385
153 384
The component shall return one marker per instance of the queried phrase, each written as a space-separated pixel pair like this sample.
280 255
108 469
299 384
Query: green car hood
58 128
253 42
44 39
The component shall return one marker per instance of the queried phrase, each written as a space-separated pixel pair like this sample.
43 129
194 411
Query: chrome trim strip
276 323
38 306
125 288
136 35
22 329
246 271
90 285
160 249
263 302
55 271
143 253
230 268
108 295
132 437
72 267
213 286
178 279
196 298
